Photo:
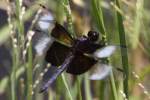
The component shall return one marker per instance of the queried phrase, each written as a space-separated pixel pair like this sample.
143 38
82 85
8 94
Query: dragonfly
73 55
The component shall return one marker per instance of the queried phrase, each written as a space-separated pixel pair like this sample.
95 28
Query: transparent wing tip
101 72
105 52
45 21
42 44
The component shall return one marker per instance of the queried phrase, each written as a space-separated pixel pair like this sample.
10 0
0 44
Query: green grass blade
79 87
87 87
124 54
13 74
69 17
98 16
66 85
29 73
113 86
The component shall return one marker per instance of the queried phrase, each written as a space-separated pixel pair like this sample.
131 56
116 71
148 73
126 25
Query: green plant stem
123 50
102 87
69 18
19 23
66 85
20 28
87 87
72 33
13 87
79 87
29 74
13 74
98 16
113 86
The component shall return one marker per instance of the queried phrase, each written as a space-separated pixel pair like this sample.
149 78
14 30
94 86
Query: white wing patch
101 72
44 21
105 52
42 44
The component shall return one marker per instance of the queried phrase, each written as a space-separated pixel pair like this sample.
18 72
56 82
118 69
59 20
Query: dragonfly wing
49 78
105 52
46 21
41 41
80 64
57 53
101 72
61 34
56 72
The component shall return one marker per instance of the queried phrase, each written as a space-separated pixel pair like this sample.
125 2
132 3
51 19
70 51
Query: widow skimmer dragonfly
75 55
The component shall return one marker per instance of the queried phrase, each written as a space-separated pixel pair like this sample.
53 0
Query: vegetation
124 23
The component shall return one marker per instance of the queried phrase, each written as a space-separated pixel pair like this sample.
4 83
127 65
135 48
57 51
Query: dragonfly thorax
82 45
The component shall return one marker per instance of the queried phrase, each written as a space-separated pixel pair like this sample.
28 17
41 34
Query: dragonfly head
93 36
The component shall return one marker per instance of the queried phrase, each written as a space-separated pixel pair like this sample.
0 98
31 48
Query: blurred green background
120 22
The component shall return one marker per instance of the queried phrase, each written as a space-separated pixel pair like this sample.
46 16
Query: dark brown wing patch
61 34
57 53
80 64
